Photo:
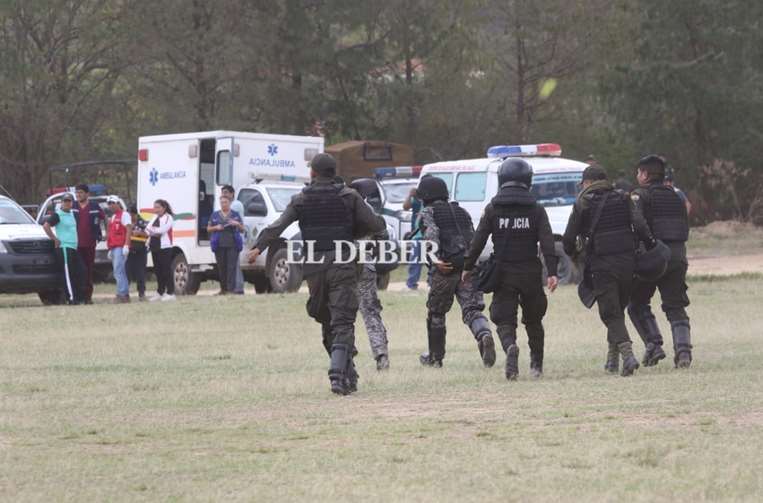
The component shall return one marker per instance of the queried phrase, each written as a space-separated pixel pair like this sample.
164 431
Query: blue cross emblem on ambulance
153 176
272 149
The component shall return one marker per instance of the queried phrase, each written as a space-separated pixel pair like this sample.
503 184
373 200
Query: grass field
227 398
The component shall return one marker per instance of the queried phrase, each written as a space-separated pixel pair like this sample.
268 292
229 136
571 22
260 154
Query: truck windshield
398 192
10 213
556 189
281 197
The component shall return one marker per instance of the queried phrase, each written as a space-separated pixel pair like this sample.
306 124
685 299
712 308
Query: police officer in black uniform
517 224
327 212
606 220
450 227
665 212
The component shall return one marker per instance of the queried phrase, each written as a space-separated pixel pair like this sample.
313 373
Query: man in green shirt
65 240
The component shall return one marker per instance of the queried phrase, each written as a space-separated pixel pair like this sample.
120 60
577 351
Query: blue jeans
119 261
414 268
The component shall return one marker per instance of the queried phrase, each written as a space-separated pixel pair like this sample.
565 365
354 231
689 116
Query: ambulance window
470 187
224 168
447 178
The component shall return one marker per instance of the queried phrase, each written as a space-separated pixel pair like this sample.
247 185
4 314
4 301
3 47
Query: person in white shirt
160 244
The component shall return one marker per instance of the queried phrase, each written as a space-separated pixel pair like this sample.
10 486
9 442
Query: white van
474 182
189 170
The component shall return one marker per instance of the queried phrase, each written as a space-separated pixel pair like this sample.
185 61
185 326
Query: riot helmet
515 173
431 189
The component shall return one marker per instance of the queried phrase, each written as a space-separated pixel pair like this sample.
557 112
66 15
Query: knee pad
479 327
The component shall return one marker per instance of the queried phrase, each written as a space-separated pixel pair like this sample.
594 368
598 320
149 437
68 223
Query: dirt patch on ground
725 266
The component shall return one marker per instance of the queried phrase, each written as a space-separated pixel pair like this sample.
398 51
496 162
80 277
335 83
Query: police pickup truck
27 261
474 182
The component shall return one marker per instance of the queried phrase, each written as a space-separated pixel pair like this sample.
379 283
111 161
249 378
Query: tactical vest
666 214
453 243
324 217
613 234
515 233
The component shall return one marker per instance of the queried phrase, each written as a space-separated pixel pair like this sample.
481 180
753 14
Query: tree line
82 79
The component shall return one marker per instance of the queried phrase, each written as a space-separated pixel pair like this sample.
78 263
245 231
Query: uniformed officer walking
665 212
517 224
370 307
450 227
327 212
606 219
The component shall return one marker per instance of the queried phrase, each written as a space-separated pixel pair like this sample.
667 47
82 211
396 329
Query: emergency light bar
541 149
398 172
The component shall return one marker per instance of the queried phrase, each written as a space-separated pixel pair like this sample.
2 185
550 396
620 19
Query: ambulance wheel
52 297
283 276
186 282
261 283
382 281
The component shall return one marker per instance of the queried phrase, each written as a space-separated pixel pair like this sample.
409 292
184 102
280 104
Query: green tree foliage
82 79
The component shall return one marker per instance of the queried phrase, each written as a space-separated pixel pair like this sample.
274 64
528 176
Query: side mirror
256 209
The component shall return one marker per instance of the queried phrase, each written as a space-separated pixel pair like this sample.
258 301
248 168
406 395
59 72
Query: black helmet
654 165
431 189
652 264
368 190
323 165
515 173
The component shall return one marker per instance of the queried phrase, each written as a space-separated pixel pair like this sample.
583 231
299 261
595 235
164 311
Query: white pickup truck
474 182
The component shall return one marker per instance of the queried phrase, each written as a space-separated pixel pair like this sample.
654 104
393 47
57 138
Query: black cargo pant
444 288
136 267
672 286
520 284
612 279
73 274
226 258
333 303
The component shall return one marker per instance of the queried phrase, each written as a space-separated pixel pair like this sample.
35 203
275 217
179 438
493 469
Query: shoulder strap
597 215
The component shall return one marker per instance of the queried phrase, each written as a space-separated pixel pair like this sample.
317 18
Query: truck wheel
261 283
382 281
52 297
283 276
186 282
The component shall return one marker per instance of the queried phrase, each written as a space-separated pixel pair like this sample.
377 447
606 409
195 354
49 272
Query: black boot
351 381
535 338
653 355
681 343
340 355
630 363
382 363
436 337
481 331
613 359
646 325
536 367
512 362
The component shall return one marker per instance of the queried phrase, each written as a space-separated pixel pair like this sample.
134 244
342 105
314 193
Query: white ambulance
189 171
474 182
